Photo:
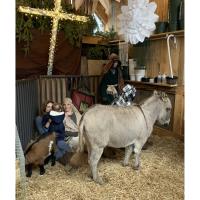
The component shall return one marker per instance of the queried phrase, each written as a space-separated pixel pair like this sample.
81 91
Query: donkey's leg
95 156
89 155
29 170
42 170
88 151
128 151
137 150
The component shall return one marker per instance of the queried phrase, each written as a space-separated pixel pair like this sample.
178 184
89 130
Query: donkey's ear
157 93
163 96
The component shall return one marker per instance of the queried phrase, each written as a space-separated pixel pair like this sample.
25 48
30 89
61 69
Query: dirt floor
160 177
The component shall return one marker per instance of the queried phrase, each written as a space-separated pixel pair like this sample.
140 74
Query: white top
55 113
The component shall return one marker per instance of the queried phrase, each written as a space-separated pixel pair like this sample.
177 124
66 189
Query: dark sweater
45 119
109 78
57 126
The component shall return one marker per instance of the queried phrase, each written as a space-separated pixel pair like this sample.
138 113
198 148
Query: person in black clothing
112 75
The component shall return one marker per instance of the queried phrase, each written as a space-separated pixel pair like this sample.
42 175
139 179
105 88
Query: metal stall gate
26 109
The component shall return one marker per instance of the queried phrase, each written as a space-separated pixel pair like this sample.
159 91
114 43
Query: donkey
118 127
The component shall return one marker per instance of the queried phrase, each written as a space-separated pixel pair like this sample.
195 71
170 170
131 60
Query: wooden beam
101 12
93 40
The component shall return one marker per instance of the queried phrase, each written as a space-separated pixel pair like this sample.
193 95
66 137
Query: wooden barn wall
162 9
154 55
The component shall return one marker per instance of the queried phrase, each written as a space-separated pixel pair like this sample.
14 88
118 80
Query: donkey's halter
139 106
164 99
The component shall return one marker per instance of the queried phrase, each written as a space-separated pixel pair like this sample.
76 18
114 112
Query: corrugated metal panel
52 88
31 94
56 88
26 109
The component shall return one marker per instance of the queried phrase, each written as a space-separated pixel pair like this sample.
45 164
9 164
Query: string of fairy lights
56 14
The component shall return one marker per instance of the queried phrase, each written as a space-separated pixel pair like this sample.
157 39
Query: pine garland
73 29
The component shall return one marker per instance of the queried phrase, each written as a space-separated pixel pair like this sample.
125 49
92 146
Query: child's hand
48 123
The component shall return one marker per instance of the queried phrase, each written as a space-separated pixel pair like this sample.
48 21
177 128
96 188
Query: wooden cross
57 14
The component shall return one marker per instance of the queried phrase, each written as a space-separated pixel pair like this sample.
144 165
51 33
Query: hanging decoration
57 14
137 20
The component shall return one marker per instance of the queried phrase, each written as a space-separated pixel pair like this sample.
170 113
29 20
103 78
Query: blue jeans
62 148
41 129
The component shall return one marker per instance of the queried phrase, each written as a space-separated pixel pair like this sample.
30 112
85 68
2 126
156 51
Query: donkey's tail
81 130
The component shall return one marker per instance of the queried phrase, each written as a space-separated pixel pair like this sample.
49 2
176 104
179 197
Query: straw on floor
161 176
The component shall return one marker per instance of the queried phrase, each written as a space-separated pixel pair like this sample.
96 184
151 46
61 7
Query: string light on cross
57 14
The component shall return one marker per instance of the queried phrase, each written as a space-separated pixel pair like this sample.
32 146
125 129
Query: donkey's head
165 108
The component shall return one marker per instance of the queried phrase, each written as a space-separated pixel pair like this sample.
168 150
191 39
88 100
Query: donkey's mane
148 100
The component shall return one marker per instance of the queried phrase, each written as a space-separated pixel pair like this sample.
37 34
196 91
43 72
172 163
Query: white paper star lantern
137 20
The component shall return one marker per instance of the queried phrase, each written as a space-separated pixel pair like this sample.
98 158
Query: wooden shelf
164 35
145 86
155 36
154 84
101 40
115 41
93 40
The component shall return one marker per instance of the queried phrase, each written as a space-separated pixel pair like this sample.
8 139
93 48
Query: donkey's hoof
99 180
124 164
137 167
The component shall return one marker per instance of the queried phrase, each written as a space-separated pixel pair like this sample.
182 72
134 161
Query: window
100 25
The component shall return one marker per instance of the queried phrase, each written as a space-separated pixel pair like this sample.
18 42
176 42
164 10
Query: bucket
132 77
138 77
140 71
